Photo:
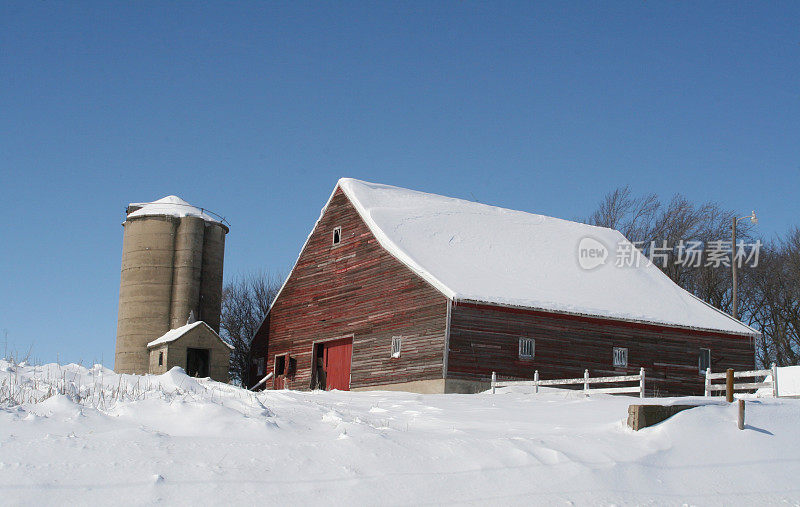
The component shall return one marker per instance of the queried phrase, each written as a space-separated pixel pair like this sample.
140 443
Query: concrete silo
172 259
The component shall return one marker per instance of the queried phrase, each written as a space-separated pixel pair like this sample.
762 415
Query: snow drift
87 436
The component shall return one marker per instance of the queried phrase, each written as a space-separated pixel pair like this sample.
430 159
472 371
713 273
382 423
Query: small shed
195 347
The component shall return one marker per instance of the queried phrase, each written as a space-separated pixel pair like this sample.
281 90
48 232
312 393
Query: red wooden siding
355 288
485 338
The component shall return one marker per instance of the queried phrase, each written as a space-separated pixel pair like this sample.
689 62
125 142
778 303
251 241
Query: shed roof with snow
474 252
175 334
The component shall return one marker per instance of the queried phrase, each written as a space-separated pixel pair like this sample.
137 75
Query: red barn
404 290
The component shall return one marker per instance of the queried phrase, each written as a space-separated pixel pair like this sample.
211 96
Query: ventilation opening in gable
397 344
337 235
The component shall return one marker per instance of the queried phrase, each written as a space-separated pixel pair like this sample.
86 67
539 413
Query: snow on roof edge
457 300
388 244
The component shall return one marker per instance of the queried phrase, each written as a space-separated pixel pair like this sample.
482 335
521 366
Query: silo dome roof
171 205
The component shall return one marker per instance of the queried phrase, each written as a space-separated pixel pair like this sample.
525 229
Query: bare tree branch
769 293
245 303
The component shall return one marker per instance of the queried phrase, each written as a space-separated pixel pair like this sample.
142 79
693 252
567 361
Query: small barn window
161 358
337 235
527 348
260 366
397 344
705 360
620 357
280 365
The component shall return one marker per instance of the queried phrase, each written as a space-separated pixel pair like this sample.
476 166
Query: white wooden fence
586 381
711 387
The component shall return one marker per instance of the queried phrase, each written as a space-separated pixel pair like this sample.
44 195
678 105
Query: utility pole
733 273
735 297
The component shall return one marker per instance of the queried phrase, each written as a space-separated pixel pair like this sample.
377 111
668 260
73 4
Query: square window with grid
527 348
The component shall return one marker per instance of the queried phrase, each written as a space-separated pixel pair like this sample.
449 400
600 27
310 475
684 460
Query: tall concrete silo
172 258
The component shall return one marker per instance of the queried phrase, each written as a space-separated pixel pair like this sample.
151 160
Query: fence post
740 420
774 381
536 381
729 385
494 379
708 382
641 382
585 381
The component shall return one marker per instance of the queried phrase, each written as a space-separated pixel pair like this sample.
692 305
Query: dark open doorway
197 362
318 375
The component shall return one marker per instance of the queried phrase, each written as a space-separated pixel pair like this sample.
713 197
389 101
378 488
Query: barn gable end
355 289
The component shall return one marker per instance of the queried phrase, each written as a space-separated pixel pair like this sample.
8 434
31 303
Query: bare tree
665 228
632 216
245 303
769 292
777 294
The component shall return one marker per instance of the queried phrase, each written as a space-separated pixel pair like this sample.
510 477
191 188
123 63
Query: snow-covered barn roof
173 334
480 253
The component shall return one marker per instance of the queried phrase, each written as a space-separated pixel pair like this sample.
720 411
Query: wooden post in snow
708 382
729 385
536 381
740 420
586 381
641 382
774 380
494 379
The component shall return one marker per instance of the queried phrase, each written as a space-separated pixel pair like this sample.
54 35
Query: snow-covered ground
125 439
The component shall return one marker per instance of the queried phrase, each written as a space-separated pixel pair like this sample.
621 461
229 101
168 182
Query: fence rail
586 381
710 387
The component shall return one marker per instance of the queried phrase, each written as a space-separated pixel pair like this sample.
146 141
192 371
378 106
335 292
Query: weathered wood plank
740 374
746 385
485 338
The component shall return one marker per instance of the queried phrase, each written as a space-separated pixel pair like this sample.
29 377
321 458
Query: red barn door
337 355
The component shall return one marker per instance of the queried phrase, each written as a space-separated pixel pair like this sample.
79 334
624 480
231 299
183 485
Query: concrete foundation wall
435 386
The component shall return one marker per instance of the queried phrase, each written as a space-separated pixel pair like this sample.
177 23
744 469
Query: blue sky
254 110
